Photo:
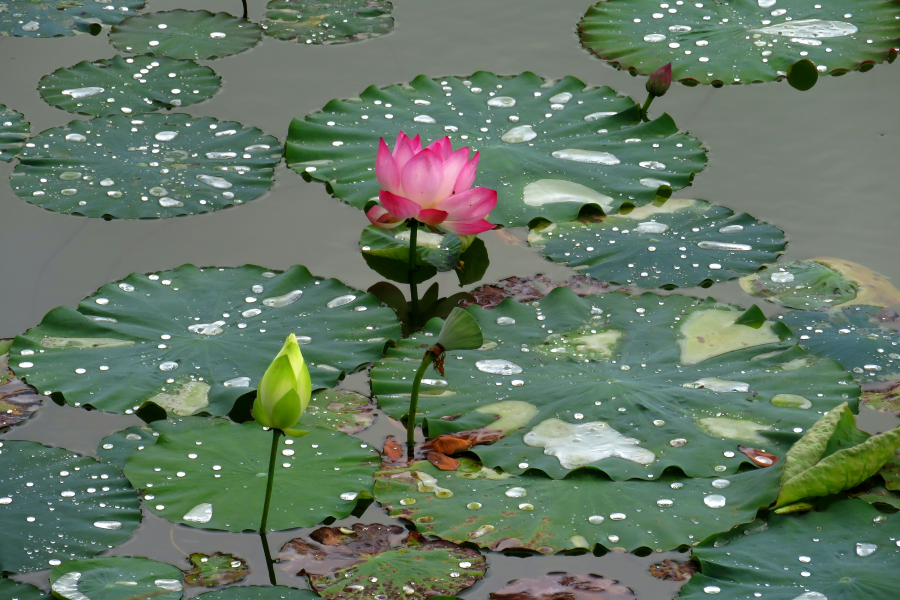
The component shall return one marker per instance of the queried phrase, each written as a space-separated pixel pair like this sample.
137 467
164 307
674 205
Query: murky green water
820 165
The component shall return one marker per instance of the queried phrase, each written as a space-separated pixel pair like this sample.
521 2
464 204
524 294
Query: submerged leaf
211 570
18 400
670 570
531 288
882 396
344 563
327 21
26 18
563 586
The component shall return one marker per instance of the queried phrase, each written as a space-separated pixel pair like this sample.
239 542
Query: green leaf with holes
152 166
803 284
132 85
845 552
14 129
21 591
194 340
328 22
548 147
116 578
502 511
258 592
749 41
194 34
57 505
627 385
25 18
344 563
863 339
220 482
681 243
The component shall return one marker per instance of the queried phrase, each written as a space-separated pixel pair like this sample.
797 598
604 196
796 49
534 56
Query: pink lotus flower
432 186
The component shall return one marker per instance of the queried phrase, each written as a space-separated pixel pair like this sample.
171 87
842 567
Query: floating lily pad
220 482
116 448
843 553
339 410
502 511
258 592
130 85
18 400
148 167
21 591
564 585
56 505
25 18
13 132
345 563
872 287
196 34
804 285
531 288
682 243
863 339
211 570
116 578
194 340
741 42
548 147
626 385
328 22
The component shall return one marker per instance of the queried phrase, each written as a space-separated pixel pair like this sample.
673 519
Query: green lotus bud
284 390
460 332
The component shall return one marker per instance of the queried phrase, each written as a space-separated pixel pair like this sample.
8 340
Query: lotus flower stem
244 2
644 108
411 273
269 564
276 434
427 361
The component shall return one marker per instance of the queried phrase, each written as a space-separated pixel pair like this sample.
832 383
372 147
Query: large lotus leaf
130 85
10 590
501 511
215 478
13 131
56 505
747 41
327 22
258 592
548 147
26 18
116 578
626 385
148 167
196 34
847 552
195 340
680 244
863 339
344 563
18 400
116 448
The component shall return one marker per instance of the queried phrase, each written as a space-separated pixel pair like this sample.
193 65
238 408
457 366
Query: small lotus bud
284 389
659 81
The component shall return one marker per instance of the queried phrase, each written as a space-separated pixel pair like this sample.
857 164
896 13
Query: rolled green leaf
460 332
811 448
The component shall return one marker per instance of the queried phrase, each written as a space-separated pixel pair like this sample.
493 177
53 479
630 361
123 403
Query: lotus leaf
339 410
863 339
131 85
883 498
21 591
13 132
26 18
194 340
804 285
564 585
627 385
741 42
344 563
194 34
116 448
833 456
215 478
872 287
328 22
56 505
211 570
548 147
258 592
149 167
847 552
680 243
116 578
501 511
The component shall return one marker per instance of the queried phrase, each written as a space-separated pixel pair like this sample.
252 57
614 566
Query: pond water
819 165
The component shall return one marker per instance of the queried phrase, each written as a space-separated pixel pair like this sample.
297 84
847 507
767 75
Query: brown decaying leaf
442 461
883 396
759 458
564 586
670 570
393 450
874 288
438 450
529 289
205 573
18 400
